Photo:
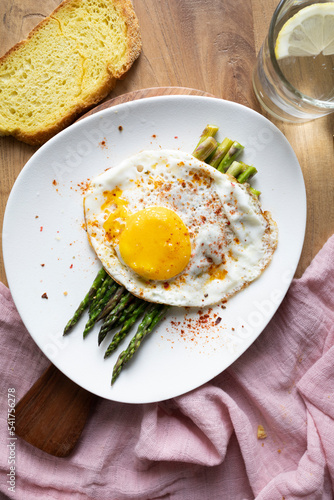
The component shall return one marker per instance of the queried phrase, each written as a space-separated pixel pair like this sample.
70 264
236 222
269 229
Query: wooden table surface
201 44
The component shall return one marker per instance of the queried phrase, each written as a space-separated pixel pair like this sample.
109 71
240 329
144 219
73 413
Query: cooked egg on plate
174 230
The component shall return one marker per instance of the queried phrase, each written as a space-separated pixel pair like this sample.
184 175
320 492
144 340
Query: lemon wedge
308 33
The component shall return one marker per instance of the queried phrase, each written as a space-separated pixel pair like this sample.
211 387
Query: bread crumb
261 433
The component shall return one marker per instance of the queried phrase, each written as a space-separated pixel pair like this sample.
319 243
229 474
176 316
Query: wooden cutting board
53 413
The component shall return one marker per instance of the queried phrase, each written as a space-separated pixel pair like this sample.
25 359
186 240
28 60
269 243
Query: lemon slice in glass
308 33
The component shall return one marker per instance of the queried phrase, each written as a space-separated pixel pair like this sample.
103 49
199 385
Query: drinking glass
293 89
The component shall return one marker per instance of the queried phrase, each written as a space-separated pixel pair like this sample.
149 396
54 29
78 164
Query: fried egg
174 230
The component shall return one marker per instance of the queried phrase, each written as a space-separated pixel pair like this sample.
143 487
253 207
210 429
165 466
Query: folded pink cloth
203 445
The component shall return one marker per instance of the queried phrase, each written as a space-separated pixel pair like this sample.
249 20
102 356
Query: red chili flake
41 228
42 265
120 128
36 216
83 186
54 182
71 266
45 296
154 136
218 320
166 285
176 137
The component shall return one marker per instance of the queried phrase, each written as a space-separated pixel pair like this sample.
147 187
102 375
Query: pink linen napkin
203 445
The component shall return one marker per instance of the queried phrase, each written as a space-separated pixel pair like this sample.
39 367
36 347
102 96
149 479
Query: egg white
232 240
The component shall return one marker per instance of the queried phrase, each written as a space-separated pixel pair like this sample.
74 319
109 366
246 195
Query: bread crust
134 46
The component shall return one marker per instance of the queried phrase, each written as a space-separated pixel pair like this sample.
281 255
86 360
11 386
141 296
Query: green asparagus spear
147 320
119 290
119 336
150 320
230 156
149 328
220 152
86 301
255 192
106 283
127 313
205 149
93 318
235 169
209 131
114 315
109 290
249 172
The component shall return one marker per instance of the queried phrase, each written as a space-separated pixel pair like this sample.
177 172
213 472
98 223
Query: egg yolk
155 243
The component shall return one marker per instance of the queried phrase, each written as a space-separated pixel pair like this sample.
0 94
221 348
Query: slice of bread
69 62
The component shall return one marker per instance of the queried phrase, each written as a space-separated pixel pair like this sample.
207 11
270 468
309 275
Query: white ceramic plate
46 250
